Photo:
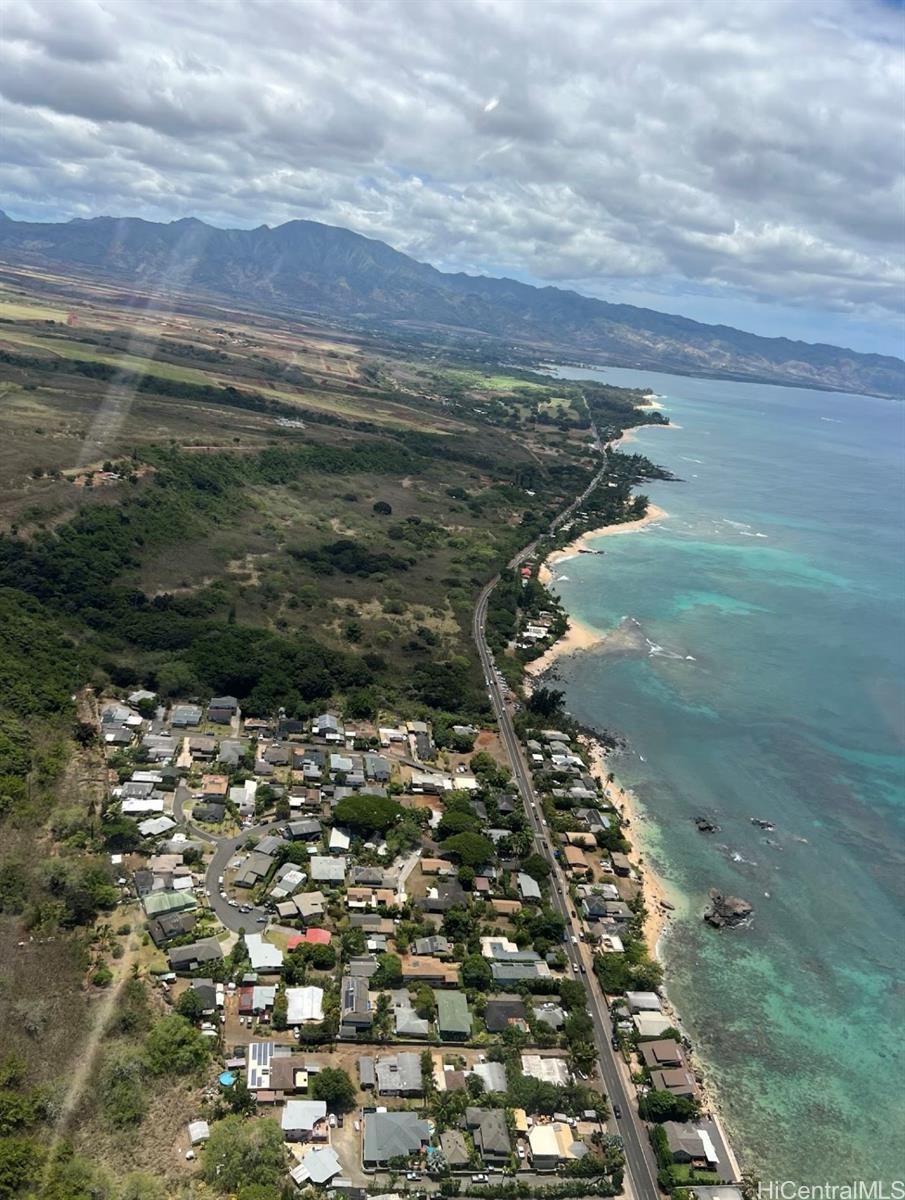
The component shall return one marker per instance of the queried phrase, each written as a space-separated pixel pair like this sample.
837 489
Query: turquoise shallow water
773 604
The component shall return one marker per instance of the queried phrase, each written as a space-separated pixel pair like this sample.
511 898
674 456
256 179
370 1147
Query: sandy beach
577 637
580 636
653 888
545 574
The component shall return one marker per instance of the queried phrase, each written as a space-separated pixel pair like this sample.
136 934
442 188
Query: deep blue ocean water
771 685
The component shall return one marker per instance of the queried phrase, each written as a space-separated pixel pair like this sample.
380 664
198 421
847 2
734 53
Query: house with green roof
158 903
453 1017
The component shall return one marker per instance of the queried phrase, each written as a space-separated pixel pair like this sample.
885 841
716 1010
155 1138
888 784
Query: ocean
770 685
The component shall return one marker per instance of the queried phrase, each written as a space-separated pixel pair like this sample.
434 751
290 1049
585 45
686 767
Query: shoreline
655 892
653 887
579 544
578 635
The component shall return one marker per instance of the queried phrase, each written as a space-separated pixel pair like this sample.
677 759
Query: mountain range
305 266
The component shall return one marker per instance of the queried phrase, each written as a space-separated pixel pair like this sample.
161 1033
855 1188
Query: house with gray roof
455 1149
306 830
437 945
327 870
376 767
490 1133
400 1074
492 1075
171 925
318 1166
407 1022
502 1012
328 728
277 754
362 966
159 745
507 974
184 716
189 958
528 888
388 1135
210 814
222 709
366 1076
355 1007
303 1120
254 869
115 714
231 751
550 1015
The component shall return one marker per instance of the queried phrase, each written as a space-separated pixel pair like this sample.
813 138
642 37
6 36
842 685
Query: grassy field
11 310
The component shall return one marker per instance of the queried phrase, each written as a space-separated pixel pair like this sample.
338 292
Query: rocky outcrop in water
726 910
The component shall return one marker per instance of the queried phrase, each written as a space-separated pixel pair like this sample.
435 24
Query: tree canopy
334 1086
241 1154
373 814
662 1106
175 1047
476 973
471 849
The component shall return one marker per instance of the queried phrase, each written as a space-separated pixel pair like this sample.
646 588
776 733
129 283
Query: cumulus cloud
732 148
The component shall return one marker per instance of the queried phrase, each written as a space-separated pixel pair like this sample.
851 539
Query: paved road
231 917
640 1165
226 847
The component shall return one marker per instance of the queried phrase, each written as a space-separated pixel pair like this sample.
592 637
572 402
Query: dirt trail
87 708
81 1074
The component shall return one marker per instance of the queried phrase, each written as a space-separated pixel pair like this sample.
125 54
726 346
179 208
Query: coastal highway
640 1165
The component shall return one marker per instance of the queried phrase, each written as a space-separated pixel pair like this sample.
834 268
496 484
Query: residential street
228 914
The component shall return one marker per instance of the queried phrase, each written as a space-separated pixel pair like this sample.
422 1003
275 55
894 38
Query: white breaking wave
658 651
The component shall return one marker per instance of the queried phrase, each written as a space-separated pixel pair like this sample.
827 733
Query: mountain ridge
342 274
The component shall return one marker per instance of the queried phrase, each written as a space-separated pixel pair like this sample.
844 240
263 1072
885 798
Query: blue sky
736 162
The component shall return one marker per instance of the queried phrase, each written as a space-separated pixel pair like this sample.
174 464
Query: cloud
734 150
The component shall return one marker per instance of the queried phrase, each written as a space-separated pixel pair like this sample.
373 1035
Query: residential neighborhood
365 929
